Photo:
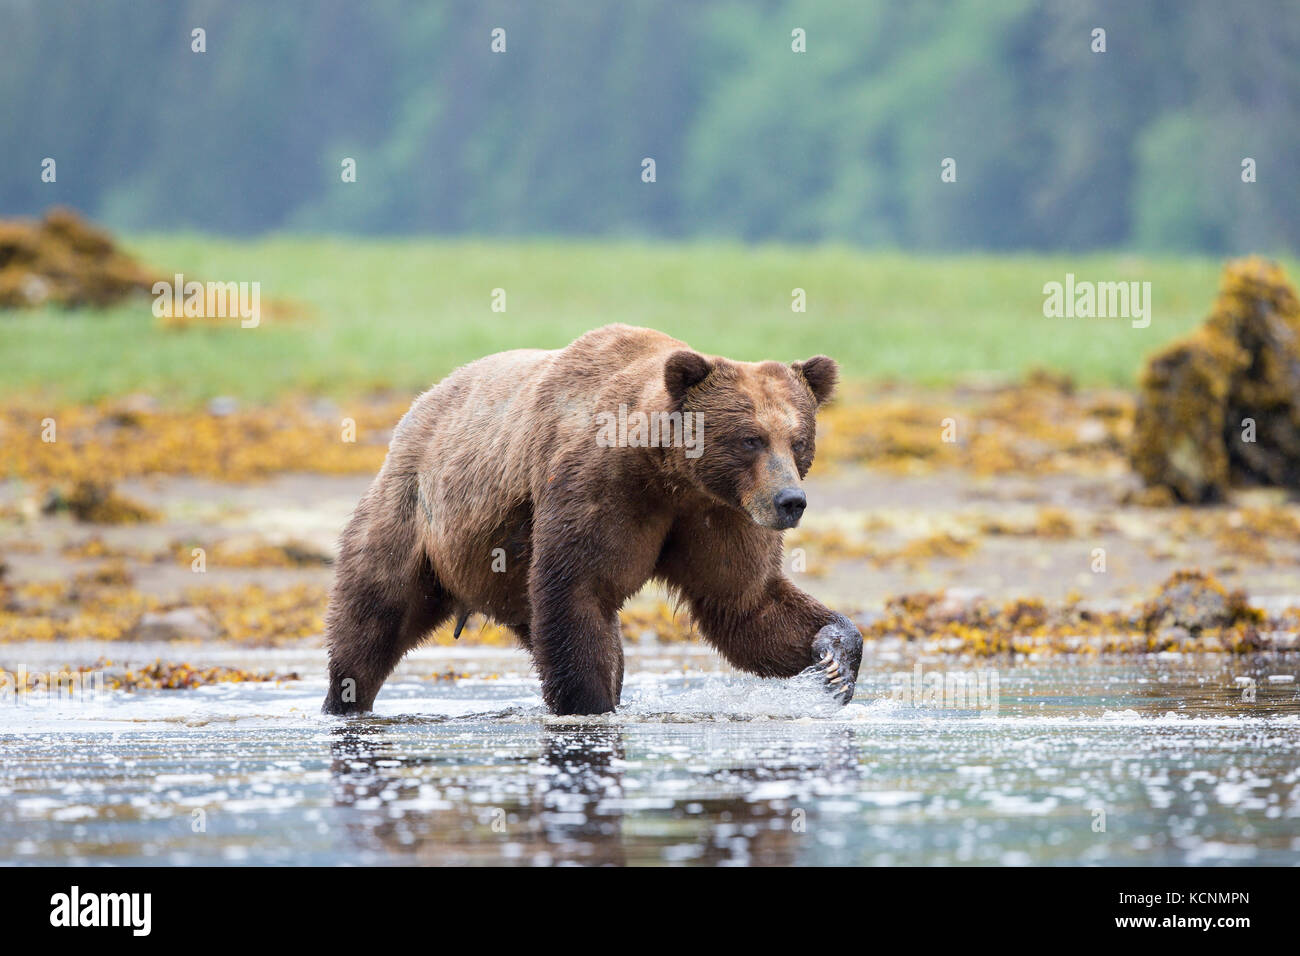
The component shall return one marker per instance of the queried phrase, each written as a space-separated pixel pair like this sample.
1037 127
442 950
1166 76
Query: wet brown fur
503 454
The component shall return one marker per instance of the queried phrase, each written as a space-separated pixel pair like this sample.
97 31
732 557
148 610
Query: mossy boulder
1221 407
96 502
1195 602
63 260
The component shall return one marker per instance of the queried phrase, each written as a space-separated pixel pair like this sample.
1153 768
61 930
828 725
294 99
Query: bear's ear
683 371
821 373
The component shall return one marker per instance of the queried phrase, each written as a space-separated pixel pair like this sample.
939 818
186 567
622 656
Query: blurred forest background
1058 147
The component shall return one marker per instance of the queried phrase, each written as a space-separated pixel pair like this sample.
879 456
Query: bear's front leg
760 621
591 550
576 641
777 630
578 653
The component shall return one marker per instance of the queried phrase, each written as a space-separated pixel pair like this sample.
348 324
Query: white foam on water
726 697
647 699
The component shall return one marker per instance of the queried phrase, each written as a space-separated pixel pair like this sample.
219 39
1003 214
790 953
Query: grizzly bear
544 488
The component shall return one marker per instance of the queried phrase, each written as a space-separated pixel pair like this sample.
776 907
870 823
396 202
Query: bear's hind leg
379 609
368 635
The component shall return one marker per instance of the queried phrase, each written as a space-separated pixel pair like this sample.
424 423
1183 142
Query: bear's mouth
770 519
780 510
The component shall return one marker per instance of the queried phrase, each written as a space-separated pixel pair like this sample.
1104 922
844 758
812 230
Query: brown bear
544 488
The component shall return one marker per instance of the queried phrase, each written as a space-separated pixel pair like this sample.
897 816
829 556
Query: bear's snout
789 504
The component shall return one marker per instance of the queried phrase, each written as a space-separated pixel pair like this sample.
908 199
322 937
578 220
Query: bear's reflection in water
566 801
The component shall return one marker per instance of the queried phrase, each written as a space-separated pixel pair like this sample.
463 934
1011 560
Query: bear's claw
837 652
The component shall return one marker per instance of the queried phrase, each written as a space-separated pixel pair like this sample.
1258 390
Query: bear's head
757 429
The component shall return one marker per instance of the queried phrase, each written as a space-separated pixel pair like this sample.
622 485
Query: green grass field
401 313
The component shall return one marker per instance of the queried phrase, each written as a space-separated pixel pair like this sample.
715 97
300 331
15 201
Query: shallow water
1157 760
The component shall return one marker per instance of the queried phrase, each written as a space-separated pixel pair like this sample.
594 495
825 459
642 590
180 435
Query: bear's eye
751 443
799 447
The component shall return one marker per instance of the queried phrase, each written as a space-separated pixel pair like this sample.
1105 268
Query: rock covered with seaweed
64 260
1221 407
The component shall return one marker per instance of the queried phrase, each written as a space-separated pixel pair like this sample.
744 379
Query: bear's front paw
837 654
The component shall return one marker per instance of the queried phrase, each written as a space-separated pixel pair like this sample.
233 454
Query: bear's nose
790 503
